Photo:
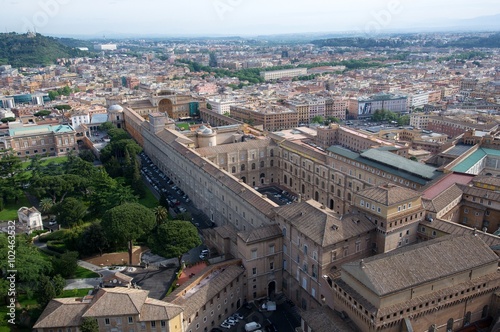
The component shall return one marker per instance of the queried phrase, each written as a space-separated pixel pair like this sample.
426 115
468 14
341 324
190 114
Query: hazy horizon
237 17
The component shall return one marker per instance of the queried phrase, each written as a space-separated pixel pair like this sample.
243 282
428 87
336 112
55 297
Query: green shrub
55 236
57 246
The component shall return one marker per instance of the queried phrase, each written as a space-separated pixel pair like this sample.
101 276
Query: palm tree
161 213
46 204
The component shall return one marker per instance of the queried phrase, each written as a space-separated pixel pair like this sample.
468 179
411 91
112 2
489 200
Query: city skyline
240 17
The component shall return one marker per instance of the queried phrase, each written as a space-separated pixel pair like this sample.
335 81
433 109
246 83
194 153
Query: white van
252 326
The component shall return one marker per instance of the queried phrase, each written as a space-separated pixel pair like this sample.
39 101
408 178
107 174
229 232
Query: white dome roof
115 108
207 131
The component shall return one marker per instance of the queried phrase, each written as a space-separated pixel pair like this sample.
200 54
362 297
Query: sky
232 17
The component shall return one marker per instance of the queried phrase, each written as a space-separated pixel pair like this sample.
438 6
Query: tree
12 176
209 106
106 126
93 238
161 213
43 113
53 94
30 263
70 212
8 119
125 223
89 324
66 264
46 205
45 291
59 186
174 238
318 119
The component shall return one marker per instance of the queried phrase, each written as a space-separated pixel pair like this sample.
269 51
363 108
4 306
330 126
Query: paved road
82 283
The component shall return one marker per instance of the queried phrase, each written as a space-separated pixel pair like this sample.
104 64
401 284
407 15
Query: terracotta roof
322 225
487 180
104 302
450 227
424 262
261 234
443 199
389 194
480 192
193 297
159 310
66 312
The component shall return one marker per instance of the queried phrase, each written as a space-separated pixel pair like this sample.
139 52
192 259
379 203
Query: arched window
467 318
262 175
272 163
316 196
290 181
242 167
233 169
262 163
449 325
253 165
322 184
332 204
303 189
484 313
285 179
284 231
272 153
349 197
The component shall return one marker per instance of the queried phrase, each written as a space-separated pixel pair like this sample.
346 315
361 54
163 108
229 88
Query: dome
207 131
115 108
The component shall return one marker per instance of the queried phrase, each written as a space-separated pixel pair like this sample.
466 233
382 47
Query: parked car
225 325
231 321
182 209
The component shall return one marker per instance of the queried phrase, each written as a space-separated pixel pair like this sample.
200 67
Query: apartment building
270 118
454 127
114 309
419 120
354 140
221 105
277 74
368 106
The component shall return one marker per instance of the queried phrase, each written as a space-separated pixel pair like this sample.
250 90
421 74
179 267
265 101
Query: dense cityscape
291 182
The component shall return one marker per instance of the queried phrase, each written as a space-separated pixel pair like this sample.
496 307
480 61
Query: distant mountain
29 50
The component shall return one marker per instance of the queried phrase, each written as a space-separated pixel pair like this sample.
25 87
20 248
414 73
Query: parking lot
277 195
284 319
179 202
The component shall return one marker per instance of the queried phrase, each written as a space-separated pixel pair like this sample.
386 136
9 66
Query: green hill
28 50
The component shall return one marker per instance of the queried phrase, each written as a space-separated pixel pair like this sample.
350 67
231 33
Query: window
304 282
163 323
130 319
271 249
106 321
254 253
305 249
254 271
271 265
153 324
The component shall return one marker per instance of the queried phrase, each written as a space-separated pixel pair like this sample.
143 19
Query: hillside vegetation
24 50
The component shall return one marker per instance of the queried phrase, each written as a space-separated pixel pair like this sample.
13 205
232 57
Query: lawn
150 200
183 126
81 273
75 292
10 209
46 161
